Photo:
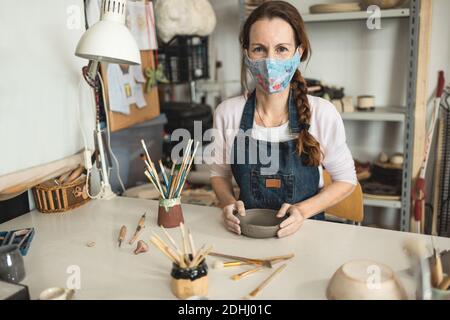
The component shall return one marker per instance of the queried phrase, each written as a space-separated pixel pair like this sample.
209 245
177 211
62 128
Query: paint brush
172 241
165 245
163 250
258 289
220 264
200 257
437 274
252 261
241 275
191 243
139 228
185 245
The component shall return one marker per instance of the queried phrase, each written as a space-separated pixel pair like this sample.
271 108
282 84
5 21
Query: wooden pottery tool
139 228
280 258
62 179
445 284
122 235
75 174
241 275
220 264
252 261
141 247
437 274
258 289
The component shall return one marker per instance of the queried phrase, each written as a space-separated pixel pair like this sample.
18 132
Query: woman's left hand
292 223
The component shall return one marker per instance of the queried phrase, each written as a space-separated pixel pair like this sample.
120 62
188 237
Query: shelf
396 204
358 15
394 114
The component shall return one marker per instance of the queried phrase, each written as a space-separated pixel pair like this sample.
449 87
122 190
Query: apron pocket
272 190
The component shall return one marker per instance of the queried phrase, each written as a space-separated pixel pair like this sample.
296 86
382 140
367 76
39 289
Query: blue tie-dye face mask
273 75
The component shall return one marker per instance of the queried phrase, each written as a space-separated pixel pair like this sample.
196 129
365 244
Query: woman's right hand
231 221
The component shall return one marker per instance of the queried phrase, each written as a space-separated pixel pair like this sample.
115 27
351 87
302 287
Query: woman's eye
258 50
282 49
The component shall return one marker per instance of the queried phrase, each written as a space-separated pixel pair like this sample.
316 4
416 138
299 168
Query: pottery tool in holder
140 227
189 274
170 186
440 281
258 289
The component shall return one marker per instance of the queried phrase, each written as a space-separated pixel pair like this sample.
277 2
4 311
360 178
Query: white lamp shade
109 41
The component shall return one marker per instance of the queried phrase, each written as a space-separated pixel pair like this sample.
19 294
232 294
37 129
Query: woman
304 132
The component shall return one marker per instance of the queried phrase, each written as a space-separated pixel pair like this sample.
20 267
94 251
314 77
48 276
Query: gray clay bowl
260 223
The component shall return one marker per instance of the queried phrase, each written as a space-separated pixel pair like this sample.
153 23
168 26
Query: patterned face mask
273 75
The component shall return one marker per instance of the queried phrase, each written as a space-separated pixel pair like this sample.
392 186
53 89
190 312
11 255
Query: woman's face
272 38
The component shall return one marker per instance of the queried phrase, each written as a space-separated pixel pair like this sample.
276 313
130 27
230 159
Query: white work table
108 272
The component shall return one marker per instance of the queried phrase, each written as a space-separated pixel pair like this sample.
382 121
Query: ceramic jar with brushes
189 282
170 214
189 273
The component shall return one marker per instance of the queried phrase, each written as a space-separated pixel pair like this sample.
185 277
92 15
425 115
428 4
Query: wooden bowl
365 280
260 223
383 4
335 7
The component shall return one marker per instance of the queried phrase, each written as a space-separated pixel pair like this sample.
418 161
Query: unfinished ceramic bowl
365 280
260 223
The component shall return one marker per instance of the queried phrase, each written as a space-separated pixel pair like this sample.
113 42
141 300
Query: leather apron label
273 183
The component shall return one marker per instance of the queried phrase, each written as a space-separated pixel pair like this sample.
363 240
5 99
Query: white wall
39 82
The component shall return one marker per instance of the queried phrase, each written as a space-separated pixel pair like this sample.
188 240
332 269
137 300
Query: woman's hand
231 221
291 224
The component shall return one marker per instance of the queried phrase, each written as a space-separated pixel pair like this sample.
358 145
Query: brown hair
306 143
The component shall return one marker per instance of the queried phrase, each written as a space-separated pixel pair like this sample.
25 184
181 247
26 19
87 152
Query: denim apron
290 182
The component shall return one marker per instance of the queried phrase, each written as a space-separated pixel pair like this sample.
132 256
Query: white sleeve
337 158
220 167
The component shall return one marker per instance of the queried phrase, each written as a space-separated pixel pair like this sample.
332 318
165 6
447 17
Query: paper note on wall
136 71
139 95
141 22
118 101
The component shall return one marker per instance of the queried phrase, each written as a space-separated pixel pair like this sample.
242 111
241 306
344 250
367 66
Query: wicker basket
50 197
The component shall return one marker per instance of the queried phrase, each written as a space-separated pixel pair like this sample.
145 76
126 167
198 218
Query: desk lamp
109 40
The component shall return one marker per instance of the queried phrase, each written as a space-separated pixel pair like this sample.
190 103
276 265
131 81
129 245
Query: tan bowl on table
365 280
